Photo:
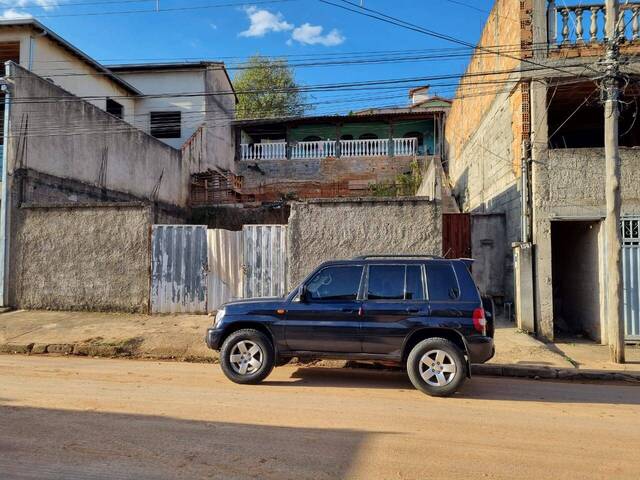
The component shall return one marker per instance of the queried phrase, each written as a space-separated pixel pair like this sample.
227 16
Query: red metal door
456 235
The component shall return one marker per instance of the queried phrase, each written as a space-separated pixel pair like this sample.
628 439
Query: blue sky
301 30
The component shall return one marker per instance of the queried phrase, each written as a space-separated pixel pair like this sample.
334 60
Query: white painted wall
160 82
49 60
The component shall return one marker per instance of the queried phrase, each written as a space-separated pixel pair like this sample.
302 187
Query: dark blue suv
422 312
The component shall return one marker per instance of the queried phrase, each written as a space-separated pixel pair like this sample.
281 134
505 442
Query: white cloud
308 34
45 4
213 26
13 14
263 22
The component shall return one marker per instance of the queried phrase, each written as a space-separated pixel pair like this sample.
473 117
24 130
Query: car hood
252 304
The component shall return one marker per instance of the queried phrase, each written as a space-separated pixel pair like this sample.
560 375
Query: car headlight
219 316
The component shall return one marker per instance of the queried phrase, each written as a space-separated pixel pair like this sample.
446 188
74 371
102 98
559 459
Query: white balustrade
567 23
364 148
378 147
319 149
264 151
404 147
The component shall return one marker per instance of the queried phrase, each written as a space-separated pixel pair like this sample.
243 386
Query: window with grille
631 231
166 124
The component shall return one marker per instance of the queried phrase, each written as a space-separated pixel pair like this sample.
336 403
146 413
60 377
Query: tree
267 88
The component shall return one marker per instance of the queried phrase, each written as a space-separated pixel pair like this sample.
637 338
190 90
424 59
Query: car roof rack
365 257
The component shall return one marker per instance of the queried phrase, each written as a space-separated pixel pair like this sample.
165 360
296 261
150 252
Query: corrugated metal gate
631 276
178 269
456 235
225 267
265 260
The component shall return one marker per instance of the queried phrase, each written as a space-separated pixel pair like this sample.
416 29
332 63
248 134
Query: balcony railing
399 147
577 25
321 149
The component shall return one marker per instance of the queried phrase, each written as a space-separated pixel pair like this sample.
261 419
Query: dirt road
79 418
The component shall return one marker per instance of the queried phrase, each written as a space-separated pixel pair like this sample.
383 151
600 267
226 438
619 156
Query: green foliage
270 90
404 185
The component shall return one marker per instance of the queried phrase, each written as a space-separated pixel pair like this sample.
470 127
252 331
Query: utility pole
611 88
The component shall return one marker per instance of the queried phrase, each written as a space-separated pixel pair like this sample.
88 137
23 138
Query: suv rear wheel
247 356
437 367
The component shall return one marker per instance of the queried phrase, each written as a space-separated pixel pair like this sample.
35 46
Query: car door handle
413 310
348 310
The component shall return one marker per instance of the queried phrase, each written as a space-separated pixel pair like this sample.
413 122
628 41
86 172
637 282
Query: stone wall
81 257
323 230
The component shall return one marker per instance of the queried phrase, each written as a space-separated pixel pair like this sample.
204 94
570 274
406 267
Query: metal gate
456 235
225 267
631 276
265 260
179 269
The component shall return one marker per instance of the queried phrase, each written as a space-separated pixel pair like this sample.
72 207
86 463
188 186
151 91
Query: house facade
372 152
527 142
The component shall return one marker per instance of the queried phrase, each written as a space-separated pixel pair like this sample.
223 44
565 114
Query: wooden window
166 124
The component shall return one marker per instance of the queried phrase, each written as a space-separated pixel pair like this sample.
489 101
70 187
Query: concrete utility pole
611 88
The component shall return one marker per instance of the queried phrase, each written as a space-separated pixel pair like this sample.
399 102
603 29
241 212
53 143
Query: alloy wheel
437 368
246 357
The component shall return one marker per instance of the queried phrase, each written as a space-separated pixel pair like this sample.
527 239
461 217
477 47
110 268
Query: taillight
480 321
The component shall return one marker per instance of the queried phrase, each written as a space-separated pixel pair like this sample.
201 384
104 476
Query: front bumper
481 349
213 338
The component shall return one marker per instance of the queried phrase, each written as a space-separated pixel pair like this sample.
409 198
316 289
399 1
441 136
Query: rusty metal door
456 235
265 260
179 269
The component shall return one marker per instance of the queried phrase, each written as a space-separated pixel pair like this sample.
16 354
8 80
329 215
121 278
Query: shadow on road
40 443
479 387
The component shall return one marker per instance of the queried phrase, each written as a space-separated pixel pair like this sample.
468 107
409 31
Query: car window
386 282
335 283
414 289
441 282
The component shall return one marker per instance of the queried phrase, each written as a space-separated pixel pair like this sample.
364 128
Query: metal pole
611 88
4 199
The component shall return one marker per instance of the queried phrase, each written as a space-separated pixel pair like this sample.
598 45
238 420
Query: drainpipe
5 83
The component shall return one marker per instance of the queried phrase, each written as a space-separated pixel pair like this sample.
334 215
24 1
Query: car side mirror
304 294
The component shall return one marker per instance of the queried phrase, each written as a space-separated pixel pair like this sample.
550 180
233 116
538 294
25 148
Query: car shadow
478 387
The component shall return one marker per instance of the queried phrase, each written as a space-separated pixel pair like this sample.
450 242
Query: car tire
247 356
437 367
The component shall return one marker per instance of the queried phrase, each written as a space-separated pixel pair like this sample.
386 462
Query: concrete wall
323 230
81 257
70 138
491 253
568 184
220 104
485 173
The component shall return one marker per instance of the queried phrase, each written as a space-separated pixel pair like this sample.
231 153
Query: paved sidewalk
181 337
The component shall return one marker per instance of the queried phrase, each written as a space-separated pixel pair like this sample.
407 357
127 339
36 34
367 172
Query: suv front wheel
247 356
437 367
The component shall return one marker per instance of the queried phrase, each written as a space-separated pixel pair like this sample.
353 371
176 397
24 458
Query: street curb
487 369
518 371
84 349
